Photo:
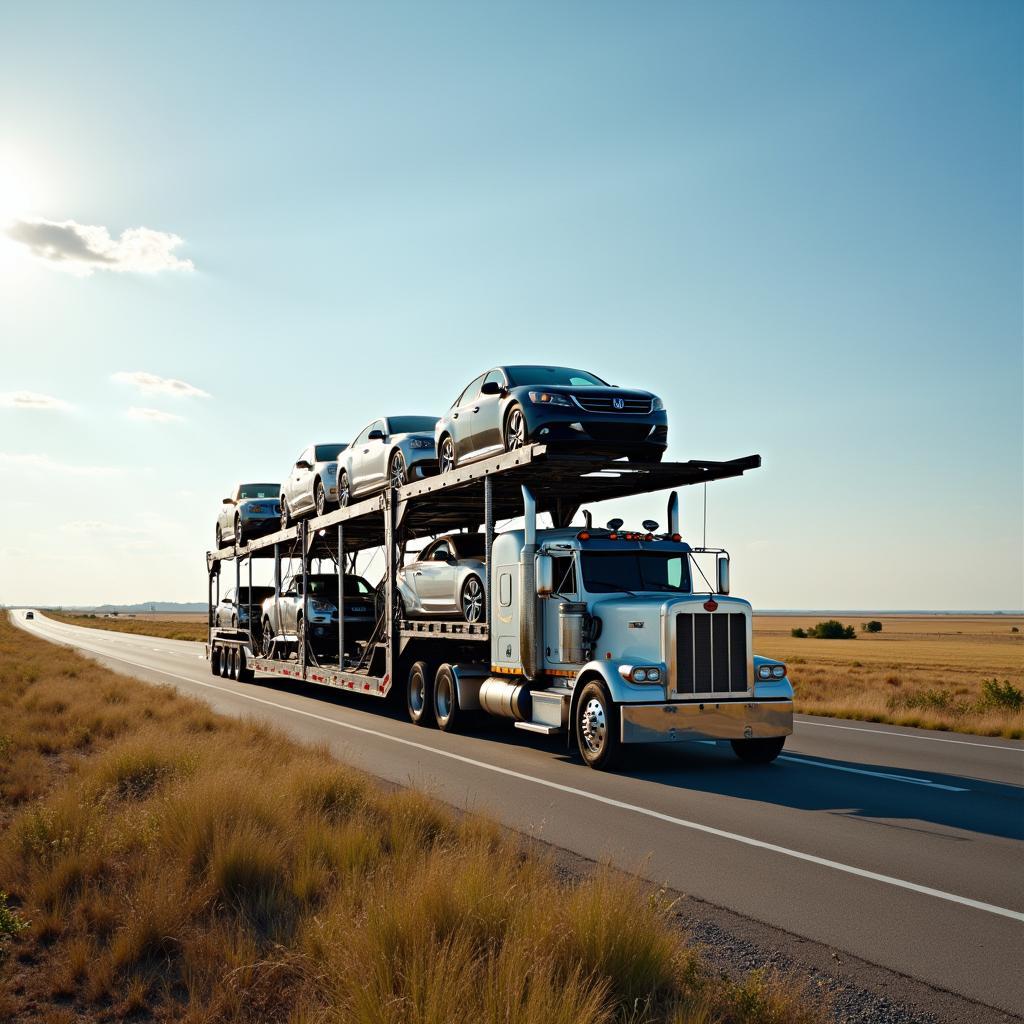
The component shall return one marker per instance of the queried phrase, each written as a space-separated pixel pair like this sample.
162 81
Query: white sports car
311 487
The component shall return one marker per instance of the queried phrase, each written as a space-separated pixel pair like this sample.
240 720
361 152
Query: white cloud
32 400
153 415
84 248
33 463
151 384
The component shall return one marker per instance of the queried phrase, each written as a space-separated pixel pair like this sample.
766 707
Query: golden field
161 862
169 626
923 670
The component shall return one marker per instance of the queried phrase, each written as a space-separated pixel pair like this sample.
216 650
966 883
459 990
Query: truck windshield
259 490
610 572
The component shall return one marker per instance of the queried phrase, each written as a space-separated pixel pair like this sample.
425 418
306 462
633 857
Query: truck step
544 730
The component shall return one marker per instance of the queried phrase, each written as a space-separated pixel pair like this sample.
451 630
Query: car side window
441 553
306 456
364 436
378 425
472 390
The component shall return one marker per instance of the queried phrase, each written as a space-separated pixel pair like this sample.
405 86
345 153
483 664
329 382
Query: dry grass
927 671
177 627
178 865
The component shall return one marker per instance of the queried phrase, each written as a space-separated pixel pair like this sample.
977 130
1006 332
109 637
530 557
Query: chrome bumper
669 723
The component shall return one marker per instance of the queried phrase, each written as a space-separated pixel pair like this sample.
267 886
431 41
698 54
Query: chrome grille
607 403
711 653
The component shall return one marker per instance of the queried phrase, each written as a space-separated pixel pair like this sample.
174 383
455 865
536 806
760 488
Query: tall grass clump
187 866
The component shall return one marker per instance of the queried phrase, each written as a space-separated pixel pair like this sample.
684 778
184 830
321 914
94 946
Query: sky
228 231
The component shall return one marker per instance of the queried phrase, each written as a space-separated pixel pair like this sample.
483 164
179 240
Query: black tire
472 600
320 498
446 460
220 539
236 664
286 515
344 493
398 473
448 714
596 727
266 639
514 434
215 656
419 694
245 674
760 751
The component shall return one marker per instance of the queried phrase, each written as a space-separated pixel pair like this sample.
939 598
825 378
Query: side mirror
303 464
491 387
228 501
545 575
723 574
375 435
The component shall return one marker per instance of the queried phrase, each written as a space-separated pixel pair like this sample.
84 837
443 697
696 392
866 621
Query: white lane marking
695 826
909 736
877 775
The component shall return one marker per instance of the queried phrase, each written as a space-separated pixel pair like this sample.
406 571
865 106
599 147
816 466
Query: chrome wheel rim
472 600
343 494
398 471
321 500
447 455
444 699
238 530
417 695
515 431
593 726
284 514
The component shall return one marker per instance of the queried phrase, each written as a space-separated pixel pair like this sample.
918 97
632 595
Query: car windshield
325 587
259 490
553 376
412 424
259 594
329 452
356 586
469 545
608 572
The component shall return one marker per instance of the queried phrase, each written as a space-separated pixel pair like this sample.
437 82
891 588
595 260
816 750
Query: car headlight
421 442
547 398
321 606
657 405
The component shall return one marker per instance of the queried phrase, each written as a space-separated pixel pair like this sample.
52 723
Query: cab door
566 589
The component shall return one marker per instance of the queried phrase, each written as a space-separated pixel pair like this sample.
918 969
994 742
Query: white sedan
311 486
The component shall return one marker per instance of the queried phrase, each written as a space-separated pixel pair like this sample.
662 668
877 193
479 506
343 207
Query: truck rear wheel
760 751
596 725
215 656
449 715
419 693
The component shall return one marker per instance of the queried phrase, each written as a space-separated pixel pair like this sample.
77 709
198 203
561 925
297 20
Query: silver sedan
446 580
311 487
250 510
387 452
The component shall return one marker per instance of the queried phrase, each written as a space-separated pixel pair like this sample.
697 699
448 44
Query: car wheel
446 455
471 601
419 693
760 751
344 491
597 727
239 535
450 717
515 429
220 539
286 515
397 474
320 497
267 639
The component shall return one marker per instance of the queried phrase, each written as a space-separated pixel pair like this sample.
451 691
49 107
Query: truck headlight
547 398
640 674
771 671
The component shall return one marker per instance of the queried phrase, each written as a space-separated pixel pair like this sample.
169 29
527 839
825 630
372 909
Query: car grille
607 403
711 653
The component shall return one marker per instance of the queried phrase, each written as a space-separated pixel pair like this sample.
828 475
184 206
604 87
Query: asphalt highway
902 847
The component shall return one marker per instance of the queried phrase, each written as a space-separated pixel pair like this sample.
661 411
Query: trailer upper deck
561 483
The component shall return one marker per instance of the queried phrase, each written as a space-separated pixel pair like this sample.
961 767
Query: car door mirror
723 574
375 435
228 501
303 464
490 387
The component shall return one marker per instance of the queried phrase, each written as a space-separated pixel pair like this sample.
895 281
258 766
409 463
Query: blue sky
800 223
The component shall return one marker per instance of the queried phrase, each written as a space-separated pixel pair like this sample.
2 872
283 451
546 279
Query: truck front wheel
762 751
419 693
596 724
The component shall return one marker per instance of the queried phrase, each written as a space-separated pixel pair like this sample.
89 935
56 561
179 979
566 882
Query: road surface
902 847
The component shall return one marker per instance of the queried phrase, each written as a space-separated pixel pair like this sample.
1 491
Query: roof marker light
583 535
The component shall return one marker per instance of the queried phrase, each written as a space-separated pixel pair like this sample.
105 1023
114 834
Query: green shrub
874 626
797 631
832 629
1000 696
11 922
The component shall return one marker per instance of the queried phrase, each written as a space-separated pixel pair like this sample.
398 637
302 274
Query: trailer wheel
225 663
233 664
596 725
419 693
450 716
215 656
245 674
760 751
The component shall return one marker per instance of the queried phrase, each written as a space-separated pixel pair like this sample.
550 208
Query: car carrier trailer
554 653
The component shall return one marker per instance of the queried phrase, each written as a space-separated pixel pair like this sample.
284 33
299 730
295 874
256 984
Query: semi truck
613 636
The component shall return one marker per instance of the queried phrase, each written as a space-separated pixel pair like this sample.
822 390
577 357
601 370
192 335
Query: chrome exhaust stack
528 587
673 514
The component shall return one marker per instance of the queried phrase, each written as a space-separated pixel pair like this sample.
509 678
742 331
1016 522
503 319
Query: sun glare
21 197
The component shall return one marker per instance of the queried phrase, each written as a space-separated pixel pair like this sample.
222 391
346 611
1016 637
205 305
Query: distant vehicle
233 609
282 617
446 580
30 615
390 451
251 510
511 406
311 487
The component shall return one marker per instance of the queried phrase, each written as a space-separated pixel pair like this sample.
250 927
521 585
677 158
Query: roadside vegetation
162 862
962 673
168 629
